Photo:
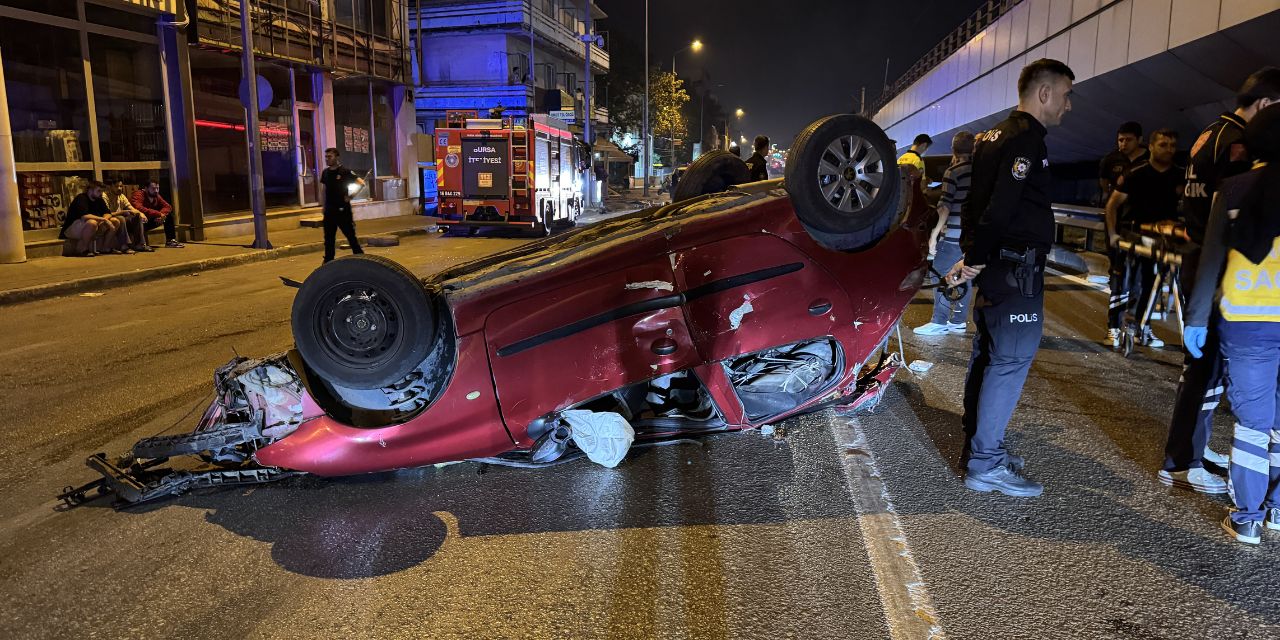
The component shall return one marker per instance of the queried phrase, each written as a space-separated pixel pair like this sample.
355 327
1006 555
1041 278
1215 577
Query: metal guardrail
1091 219
984 17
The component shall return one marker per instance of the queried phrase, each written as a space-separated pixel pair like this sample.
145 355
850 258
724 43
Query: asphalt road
737 536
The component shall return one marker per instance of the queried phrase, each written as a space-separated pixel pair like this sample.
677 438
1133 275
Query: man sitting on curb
158 211
86 221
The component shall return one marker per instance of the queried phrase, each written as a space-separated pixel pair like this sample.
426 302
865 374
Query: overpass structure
1164 63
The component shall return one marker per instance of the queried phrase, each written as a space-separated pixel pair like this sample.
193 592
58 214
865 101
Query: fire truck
514 172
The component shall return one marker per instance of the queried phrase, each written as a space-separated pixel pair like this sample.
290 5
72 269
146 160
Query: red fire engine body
507 172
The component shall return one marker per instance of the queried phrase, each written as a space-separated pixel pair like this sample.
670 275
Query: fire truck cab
508 171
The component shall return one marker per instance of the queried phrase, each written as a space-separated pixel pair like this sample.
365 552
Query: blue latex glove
1193 339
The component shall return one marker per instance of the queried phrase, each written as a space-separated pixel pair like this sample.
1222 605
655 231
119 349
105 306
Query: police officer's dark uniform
758 167
1008 227
1218 153
337 181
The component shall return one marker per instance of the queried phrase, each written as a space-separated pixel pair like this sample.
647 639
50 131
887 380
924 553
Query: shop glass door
308 162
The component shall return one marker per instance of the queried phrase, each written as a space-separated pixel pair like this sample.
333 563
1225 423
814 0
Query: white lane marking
1078 280
908 607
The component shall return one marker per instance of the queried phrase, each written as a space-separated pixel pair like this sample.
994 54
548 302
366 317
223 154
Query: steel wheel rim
358 325
850 174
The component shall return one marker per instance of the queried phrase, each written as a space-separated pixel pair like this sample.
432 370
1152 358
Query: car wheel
712 172
843 181
363 321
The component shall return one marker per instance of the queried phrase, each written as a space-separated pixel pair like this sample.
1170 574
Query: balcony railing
469 14
985 16
299 33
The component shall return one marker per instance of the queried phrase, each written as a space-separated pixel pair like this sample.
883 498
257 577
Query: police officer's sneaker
1273 519
931 329
1113 337
1246 532
1196 479
1004 479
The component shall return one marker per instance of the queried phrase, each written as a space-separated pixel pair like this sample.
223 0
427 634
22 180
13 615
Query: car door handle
819 307
664 346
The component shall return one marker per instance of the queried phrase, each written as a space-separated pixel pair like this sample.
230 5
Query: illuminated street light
740 113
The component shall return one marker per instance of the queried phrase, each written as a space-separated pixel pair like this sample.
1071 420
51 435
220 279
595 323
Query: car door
753 292
585 338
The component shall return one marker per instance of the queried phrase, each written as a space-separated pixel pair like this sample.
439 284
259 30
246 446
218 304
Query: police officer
1008 229
338 182
1218 153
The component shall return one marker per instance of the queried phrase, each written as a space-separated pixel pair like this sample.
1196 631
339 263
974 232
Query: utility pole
588 181
249 70
644 142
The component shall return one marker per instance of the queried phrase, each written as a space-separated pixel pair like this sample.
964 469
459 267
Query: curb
55 289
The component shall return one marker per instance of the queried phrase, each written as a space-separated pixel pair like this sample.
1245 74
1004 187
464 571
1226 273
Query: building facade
128 91
526 56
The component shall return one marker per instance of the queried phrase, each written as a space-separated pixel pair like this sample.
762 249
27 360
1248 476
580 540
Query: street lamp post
695 46
644 141
257 194
739 113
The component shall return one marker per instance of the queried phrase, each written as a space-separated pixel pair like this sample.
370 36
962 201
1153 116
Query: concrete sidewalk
49 277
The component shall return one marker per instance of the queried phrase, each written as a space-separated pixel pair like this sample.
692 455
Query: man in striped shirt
944 242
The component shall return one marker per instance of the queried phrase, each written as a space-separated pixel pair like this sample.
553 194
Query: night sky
788 62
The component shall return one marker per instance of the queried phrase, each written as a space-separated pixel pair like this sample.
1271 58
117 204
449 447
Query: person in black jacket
339 185
756 163
1007 231
1218 153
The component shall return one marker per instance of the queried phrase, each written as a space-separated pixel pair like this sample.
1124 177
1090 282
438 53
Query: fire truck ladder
520 166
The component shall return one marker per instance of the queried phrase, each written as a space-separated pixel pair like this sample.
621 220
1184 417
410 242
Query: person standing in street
1008 231
914 157
1151 191
1238 264
1128 153
758 166
944 243
339 184
1218 153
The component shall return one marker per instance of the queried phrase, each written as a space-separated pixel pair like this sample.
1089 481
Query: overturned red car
736 306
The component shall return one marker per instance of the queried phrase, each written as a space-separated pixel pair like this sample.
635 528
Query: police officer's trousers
1009 330
1252 350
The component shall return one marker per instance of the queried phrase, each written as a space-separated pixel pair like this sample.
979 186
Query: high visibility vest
1251 292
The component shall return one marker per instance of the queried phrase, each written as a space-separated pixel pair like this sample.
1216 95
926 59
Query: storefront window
275 129
220 135
44 195
48 107
351 116
129 97
384 129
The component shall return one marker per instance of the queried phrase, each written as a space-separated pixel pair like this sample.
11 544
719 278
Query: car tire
712 172
363 321
844 182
